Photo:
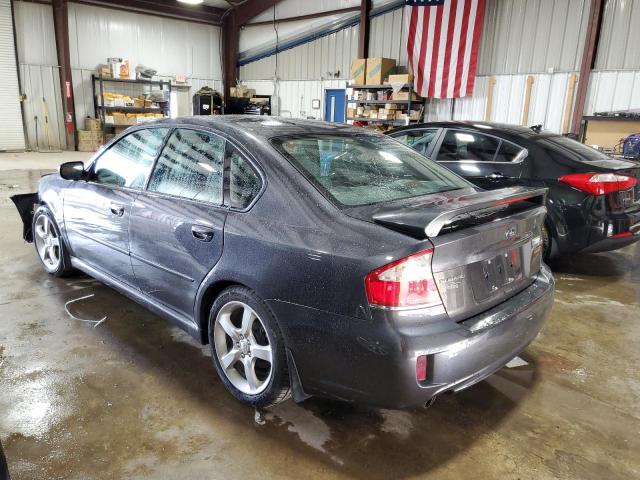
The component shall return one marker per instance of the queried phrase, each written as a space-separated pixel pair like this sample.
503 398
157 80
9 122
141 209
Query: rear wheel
50 244
248 349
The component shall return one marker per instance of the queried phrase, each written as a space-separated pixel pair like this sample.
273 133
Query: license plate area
498 275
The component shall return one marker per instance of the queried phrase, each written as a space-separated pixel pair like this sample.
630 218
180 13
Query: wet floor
134 397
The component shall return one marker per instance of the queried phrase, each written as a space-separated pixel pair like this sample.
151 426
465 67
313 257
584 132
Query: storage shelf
377 87
378 120
132 109
130 80
380 102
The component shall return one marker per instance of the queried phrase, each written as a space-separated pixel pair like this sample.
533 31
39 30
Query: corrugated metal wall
532 36
546 106
321 58
40 75
613 90
619 47
169 46
293 98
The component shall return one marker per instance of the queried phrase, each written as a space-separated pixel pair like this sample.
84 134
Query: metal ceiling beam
61 29
309 16
363 39
197 13
588 58
231 24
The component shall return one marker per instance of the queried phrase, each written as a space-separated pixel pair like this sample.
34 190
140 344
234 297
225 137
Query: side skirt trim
137 296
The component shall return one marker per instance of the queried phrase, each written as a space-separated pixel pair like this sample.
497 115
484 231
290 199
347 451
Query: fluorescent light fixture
191 2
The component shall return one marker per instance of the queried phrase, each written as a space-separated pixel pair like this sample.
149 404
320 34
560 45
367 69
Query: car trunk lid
487 245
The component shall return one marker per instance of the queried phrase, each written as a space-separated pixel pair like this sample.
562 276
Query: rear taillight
407 282
599 183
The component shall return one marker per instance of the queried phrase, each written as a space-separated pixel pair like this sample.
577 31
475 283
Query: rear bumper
373 363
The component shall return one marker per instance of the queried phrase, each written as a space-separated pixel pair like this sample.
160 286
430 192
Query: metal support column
61 27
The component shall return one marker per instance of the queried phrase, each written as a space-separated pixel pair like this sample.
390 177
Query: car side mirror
72 170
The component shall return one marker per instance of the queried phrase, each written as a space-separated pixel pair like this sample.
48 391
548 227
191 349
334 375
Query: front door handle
117 209
497 175
204 234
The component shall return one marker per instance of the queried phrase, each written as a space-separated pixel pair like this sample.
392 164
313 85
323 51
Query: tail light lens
407 282
599 183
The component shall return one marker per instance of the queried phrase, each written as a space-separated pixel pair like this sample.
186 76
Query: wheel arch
206 297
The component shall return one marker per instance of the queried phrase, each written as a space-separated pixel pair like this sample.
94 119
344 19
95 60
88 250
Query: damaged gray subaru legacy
316 259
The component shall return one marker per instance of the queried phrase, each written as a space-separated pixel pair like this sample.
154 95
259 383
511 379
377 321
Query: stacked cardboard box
89 140
371 71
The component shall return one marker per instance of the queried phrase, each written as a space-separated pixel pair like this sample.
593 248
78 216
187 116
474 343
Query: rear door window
128 162
420 140
459 145
190 166
509 152
244 181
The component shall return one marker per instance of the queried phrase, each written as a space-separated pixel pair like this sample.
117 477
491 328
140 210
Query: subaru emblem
510 233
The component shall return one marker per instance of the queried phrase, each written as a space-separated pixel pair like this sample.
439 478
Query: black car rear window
360 170
585 152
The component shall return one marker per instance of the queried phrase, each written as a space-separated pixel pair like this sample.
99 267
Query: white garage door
11 128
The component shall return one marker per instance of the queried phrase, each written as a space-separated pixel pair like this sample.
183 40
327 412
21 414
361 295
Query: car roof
262 127
486 127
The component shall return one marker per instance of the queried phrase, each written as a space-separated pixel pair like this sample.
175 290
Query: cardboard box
358 71
373 114
88 147
378 69
89 136
404 95
403 78
391 106
93 124
351 112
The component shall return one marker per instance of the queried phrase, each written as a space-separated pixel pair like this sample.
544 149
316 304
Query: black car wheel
49 243
248 349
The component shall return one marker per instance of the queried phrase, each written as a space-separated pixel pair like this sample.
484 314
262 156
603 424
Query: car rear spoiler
429 218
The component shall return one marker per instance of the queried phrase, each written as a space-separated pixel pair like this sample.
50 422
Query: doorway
334 105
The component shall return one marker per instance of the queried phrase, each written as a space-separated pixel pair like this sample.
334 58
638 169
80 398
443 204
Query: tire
50 247
244 334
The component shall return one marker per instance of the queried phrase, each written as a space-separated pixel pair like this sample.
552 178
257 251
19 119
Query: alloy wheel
243 348
47 243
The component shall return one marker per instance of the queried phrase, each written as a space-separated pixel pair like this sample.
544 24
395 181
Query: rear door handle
204 234
497 175
117 209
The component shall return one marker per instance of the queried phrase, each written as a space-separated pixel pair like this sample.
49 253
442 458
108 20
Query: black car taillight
599 183
407 282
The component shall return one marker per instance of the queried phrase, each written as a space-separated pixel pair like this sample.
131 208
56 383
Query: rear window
364 169
586 153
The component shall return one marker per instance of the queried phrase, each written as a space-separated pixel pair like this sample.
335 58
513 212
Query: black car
593 202
316 259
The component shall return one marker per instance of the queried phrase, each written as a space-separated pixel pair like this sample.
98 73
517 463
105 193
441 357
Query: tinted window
585 152
128 162
361 170
509 152
420 140
190 166
464 145
244 181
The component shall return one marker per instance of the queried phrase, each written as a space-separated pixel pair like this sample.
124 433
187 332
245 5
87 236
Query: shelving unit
102 110
406 103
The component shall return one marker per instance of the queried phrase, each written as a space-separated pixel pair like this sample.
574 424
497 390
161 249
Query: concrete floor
136 398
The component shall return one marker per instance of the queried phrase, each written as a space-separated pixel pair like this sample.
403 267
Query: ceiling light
191 2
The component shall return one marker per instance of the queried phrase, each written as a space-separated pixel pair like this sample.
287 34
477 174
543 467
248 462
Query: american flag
443 41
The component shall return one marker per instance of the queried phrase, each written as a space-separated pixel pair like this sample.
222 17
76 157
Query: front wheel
248 349
50 244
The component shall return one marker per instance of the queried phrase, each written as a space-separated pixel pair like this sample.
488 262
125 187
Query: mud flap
25 203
